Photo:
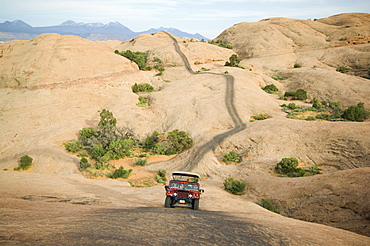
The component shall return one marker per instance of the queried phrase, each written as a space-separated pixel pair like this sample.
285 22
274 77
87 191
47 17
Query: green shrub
310 118
180 140
288 166
142 87
233 61
87 136
140 162
271 88
300 95
121 173
161 176
297 65
232 156
316 103
138 57
220 43
277 78
24 163
292 106
156 59
289 94
84 164
235 186
73 146
266 203
342 69
142 101
261 117
355 113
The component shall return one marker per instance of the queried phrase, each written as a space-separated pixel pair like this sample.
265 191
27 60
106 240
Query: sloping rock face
274 46
161 45
52 58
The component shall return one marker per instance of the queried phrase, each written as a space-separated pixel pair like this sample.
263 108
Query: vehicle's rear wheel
167 202
196 204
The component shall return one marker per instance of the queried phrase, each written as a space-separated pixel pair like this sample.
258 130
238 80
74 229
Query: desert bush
292 106
277 78
316 103
220 43
119 149
261 117
84 164
24 163
87 136
342 69
138 57
142 101
156 59
121 173
300 95
142 87
233 61
271 88
235 186
297 65
73 146
266 203
161 176
355 113
140 162
288 166
180 140
310 118
232 156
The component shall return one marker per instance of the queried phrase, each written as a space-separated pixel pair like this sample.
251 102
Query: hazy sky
207 17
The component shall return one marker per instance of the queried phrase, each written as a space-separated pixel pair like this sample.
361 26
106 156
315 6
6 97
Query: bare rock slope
68 79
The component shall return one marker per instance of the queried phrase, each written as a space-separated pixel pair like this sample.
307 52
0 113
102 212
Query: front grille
182 194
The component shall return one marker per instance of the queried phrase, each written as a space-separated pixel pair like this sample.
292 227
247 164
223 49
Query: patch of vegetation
297 65
73 146
220 43
288 166
121 173
159 69
342 69
299 94
322 110
231 157
203 69
24 163
233 61
260 117
109 142
277 78
140 162
235 186
356 113
271 88
161 176
140 58
143 101
156 59
266 203
142 87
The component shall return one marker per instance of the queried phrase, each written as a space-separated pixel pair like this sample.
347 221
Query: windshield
176 185
191 187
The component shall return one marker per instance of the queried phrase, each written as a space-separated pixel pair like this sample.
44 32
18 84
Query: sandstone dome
53 58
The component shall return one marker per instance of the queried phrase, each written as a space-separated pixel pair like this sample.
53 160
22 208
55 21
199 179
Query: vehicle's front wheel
167 202
196 204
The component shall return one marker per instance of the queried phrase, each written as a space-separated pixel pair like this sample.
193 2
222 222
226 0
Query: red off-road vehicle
183 188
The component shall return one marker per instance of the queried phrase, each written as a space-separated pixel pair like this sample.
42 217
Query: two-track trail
230 107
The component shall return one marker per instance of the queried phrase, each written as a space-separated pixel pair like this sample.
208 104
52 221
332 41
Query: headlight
175 194
190 195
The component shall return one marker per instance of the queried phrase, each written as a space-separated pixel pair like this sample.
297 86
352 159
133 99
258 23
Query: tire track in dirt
230 106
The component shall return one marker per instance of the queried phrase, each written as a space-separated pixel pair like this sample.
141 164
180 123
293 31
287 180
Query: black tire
196 204
167 202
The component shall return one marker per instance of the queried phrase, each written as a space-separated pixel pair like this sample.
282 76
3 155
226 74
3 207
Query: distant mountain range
94 31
